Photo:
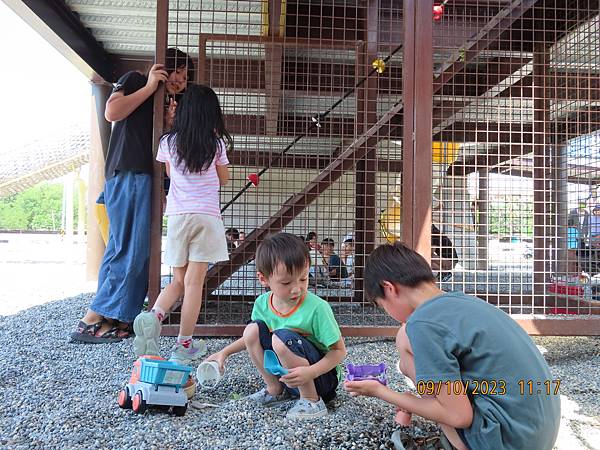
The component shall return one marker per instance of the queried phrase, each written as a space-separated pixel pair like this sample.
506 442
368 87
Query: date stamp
487 387
458 387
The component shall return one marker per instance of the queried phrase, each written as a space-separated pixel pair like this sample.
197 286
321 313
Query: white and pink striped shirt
192 193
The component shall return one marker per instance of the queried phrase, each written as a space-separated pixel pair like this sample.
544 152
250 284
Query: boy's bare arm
222 355
453 410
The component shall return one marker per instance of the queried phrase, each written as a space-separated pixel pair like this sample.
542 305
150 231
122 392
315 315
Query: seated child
297 325
489 387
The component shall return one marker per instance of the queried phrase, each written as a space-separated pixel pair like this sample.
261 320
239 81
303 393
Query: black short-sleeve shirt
442 245
130 147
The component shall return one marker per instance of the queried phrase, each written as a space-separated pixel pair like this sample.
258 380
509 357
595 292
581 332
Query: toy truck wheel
180 410
139 404
124 399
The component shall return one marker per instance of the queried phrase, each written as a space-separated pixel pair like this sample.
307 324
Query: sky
42 92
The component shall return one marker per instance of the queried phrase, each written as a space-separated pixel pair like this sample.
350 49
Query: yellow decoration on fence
444 152
379 65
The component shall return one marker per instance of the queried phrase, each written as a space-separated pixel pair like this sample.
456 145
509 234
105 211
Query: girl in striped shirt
195 155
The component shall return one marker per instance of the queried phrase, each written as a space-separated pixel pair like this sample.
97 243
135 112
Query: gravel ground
54 394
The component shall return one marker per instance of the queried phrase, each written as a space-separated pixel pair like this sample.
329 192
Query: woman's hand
368 388
298 376
156 75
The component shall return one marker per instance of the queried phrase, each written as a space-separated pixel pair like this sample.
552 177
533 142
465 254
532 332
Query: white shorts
195 237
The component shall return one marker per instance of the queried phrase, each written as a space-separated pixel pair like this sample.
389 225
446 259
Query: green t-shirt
455 337
312 318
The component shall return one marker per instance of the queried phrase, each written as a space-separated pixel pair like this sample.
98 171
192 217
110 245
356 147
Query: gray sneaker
146 327
305 409
263 397
185 356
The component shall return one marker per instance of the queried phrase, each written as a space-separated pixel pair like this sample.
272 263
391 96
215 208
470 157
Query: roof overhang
56 23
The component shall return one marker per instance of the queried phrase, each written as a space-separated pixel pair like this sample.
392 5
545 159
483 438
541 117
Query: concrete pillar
99 137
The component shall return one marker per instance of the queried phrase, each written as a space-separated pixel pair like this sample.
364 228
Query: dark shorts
326 384
461 435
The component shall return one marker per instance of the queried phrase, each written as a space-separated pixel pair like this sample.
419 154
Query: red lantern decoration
438 11
253 178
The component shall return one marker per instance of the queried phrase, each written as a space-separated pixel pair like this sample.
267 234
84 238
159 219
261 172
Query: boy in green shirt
297 325
478 374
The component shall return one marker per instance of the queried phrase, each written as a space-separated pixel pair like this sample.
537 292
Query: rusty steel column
99 137
366 169
417 94
542 176
162 23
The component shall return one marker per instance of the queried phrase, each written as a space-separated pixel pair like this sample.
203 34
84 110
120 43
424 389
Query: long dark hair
197 128
176 59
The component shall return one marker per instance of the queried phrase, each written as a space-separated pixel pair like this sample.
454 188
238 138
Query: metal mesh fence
312 93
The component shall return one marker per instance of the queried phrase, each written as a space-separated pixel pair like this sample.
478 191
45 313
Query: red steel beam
290 161
162 24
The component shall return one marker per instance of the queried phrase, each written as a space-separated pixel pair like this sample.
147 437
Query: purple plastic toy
367 372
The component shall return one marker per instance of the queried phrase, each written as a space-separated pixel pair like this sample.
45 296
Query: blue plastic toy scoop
272 364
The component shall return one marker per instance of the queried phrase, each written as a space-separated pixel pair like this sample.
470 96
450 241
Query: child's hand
298 376
156 75
402 417
220 359
170 116
369 388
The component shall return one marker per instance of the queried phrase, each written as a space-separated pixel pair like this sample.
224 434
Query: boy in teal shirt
297 325
478 374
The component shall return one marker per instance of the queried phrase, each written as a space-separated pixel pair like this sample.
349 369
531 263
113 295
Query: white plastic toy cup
208 374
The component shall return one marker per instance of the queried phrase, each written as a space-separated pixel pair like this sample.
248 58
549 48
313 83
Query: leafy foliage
37 208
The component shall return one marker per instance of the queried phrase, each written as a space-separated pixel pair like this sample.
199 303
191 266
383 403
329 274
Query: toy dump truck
156 382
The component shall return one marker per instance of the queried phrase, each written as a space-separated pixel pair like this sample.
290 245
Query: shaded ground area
56 394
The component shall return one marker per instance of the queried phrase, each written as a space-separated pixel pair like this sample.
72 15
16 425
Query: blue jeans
325 384
123 276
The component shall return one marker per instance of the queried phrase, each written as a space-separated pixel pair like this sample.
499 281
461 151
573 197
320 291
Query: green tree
37 208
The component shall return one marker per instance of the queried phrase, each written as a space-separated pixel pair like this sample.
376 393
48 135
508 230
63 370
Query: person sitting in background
443 254
335 267
347 255
232 235
312 242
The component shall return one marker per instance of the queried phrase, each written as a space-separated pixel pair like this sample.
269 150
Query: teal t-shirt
312 318
455 337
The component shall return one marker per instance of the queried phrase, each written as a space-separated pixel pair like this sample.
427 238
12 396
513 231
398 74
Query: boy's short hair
282 248
395 263
328 241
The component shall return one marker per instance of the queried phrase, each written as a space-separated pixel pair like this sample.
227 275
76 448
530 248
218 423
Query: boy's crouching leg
289 359
254 338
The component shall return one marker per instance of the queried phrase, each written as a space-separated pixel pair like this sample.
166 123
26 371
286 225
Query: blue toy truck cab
156 382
